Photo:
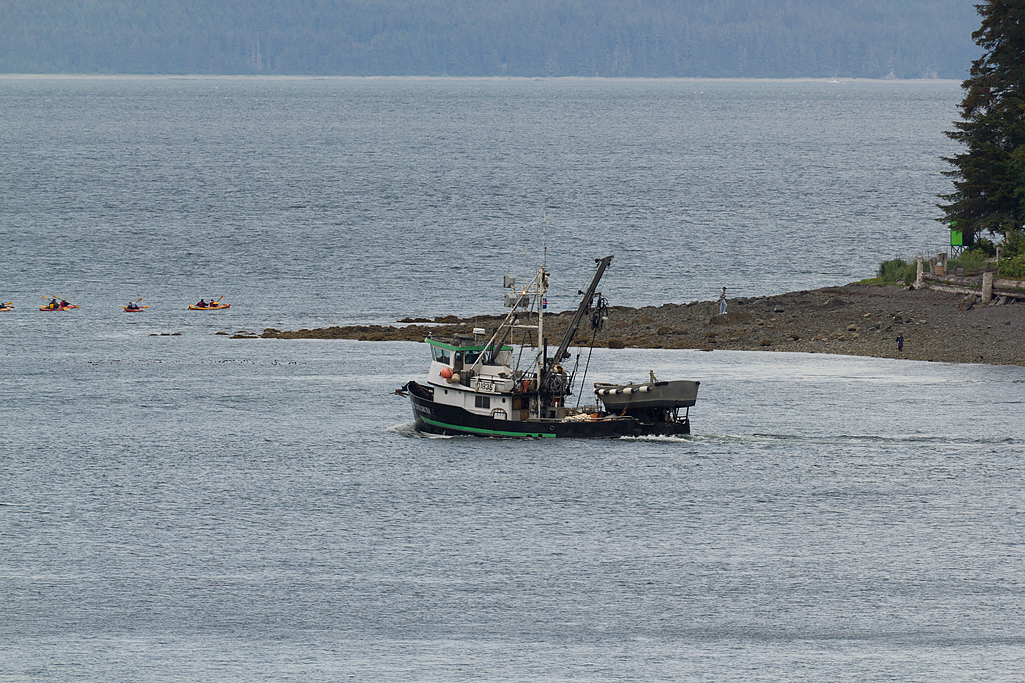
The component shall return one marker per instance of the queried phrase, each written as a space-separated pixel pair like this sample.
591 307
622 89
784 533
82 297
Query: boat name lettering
423 409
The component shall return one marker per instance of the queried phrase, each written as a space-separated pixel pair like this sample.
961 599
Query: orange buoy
446 372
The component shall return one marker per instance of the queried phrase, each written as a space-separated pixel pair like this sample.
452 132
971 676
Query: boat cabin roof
462 345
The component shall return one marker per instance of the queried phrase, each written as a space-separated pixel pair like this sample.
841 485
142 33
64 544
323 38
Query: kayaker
132 306
201 304
54 305
64 304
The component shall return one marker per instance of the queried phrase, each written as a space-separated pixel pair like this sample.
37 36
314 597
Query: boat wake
408 429
662 438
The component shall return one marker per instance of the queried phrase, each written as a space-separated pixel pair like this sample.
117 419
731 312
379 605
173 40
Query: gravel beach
856 319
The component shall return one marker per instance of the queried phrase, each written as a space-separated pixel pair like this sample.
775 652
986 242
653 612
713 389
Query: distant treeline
610 38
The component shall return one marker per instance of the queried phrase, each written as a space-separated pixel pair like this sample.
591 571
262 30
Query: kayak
133 310
59 308
194 307
5 308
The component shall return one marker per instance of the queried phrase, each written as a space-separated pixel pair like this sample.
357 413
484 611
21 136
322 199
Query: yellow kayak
213 307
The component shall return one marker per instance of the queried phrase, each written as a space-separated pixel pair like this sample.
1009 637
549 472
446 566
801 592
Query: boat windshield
440 355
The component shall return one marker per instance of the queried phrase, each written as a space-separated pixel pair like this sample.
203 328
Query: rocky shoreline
856 319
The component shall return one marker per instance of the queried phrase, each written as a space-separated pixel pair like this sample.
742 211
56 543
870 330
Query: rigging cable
598 317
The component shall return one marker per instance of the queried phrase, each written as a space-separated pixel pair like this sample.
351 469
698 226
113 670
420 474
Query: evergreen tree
989 176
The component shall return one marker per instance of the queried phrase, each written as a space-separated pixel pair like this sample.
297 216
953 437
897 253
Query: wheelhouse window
441 355
482 402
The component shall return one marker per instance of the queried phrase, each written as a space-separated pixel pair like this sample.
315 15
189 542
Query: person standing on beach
722 302
900 342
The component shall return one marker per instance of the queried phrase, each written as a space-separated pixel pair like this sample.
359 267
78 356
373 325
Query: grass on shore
895 270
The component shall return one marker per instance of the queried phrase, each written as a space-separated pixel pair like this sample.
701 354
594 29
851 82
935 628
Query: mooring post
987 287
918 274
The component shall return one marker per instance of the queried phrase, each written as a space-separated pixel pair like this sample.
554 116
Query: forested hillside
615 38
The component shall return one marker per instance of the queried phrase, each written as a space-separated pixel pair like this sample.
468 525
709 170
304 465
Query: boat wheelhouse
473 376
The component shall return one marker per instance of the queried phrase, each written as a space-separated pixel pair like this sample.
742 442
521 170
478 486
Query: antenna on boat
544 237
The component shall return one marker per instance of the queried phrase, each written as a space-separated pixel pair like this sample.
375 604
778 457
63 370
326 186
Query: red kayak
59 308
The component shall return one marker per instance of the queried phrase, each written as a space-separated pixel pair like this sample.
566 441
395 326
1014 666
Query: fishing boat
477 384
211 307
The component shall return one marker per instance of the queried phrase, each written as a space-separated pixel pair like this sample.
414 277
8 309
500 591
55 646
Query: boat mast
542 285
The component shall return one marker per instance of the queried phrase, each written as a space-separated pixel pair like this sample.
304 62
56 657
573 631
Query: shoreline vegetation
858 319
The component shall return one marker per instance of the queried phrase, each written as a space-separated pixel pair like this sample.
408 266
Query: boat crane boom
585 304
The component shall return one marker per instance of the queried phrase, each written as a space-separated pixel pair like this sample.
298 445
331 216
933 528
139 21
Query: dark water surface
194 507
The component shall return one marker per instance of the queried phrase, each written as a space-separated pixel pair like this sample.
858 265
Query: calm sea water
310 200
190 507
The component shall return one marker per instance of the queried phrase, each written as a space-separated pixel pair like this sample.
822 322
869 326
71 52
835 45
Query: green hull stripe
476 430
